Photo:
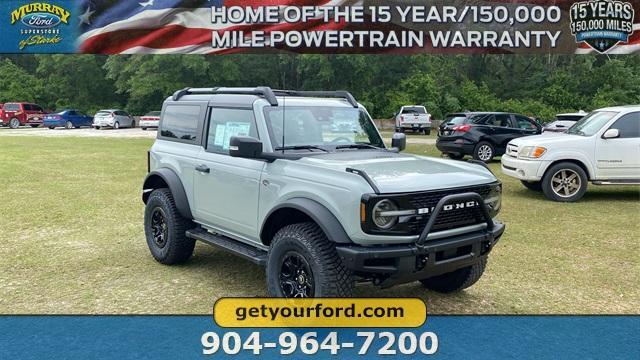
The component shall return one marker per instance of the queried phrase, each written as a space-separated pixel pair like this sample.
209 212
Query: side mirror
245 147
611 134
399 141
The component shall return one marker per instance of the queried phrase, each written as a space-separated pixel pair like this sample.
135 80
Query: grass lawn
72 241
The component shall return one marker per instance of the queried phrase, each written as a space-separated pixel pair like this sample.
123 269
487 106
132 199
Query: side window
525 123
628 125
180 122
71 113
27 107
225 123
502 120
37 108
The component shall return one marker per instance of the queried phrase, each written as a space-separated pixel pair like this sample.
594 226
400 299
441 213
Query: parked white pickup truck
603 147
415 118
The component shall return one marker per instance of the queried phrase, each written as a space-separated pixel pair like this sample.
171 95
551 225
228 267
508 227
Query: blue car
69 118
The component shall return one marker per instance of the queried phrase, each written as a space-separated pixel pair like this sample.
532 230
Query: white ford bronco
603 147
267 175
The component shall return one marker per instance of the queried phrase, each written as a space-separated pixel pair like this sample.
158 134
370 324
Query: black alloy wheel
296 278
159 227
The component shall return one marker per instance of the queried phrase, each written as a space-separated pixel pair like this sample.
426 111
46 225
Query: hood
393 172
548 139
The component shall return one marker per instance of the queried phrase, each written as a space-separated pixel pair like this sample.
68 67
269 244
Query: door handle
203 169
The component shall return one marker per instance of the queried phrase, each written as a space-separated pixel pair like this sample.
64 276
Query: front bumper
405 263
391 265
527 170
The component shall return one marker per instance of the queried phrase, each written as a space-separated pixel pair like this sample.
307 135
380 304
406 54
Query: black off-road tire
177 246
456 280
330 277
479 154
547 180
532 185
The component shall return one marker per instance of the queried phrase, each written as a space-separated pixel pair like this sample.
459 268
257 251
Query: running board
257 256
617 182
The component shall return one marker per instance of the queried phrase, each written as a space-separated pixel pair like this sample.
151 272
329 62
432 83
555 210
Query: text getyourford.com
324 312
317 311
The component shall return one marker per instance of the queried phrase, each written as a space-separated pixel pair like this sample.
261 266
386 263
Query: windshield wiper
300 147
357 146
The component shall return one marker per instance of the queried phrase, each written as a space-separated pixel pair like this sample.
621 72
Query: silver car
113 118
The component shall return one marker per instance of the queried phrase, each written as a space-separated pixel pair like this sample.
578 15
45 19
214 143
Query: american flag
173 26
185 27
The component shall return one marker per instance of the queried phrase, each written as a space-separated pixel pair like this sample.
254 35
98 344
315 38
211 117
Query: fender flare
175 186
319 214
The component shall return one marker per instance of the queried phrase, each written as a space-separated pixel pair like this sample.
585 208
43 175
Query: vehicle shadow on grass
603 194
228 275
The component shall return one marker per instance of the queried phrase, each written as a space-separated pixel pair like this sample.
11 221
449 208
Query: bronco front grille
449 219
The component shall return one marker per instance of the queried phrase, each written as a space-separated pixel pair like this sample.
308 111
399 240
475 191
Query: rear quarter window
180 123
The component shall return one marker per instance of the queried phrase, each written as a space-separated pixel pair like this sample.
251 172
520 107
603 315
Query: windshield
414 110
322 127
590 124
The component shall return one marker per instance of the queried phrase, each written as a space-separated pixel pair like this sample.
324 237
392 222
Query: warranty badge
602 24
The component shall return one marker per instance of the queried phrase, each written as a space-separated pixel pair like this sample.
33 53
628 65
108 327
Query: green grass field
72 241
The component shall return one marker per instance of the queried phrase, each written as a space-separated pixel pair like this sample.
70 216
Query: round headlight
381 220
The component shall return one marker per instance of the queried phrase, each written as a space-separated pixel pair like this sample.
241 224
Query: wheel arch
582 165
167 178
301 210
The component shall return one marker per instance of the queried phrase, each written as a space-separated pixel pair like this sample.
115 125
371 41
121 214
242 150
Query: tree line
534 85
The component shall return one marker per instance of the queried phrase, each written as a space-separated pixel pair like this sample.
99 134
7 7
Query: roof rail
335 94
264 91
267 93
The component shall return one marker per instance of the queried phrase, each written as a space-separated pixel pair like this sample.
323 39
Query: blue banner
178 337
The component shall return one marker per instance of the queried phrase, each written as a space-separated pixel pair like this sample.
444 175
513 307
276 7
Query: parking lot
83 132
73 241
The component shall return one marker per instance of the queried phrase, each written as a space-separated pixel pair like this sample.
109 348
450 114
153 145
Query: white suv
603 147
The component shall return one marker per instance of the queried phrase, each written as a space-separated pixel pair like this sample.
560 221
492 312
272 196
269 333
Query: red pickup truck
21 113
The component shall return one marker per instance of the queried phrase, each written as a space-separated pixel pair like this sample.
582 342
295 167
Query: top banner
321 26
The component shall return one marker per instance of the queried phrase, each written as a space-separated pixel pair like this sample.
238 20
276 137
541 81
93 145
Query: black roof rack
267 93
333 94
260 91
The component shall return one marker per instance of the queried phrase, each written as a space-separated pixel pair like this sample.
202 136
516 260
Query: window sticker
219 139
235 129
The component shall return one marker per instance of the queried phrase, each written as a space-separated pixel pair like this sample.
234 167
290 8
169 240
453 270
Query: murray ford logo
602 24
40 15
39 21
